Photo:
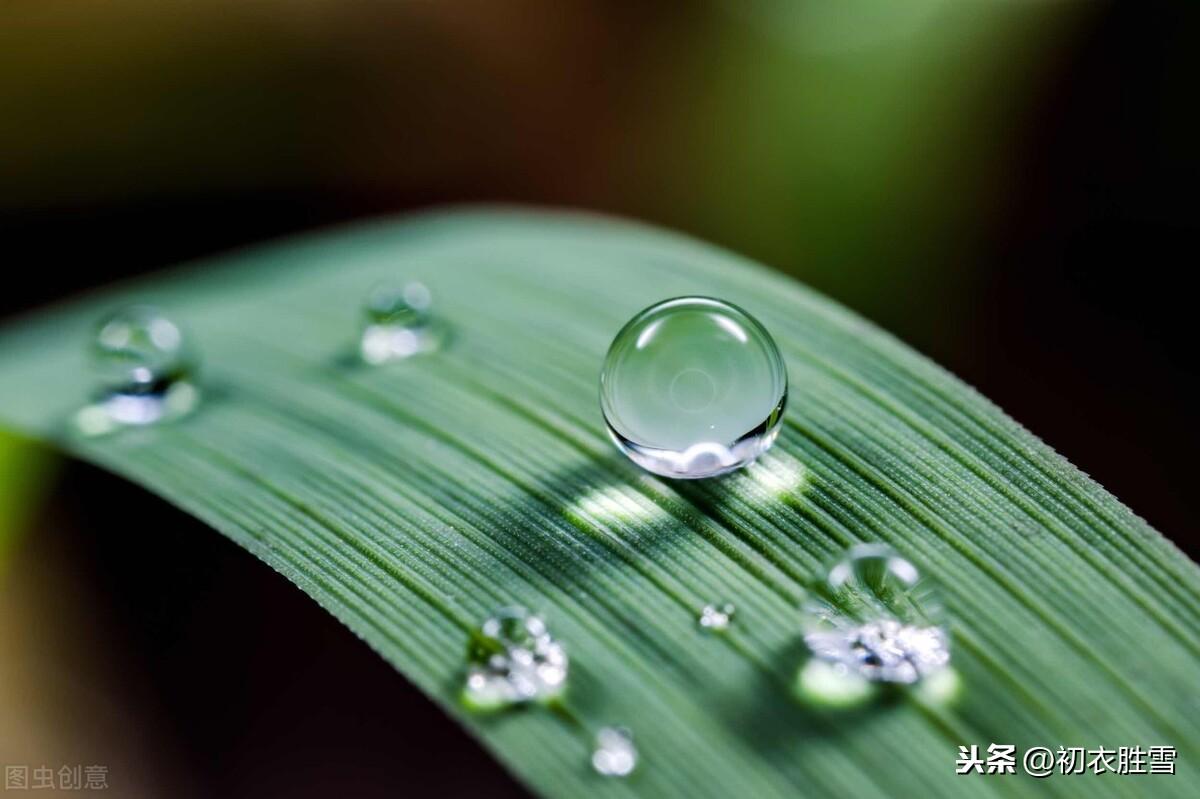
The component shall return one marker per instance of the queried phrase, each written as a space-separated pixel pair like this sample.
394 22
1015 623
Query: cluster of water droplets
691 388
614 753
716 617
873 619
513 659
145 365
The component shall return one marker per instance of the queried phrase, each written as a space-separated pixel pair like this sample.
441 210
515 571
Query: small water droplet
615 754
399 323
875 618
143 364
693 387
716 617
513 659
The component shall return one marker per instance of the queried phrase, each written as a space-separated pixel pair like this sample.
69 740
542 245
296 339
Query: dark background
1008 187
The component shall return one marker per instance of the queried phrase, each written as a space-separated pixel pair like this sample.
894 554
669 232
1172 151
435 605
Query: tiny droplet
143 364
512 659
716 617
399 323
693 387
615 754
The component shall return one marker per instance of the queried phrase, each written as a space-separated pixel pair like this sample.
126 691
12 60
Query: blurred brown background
1006 185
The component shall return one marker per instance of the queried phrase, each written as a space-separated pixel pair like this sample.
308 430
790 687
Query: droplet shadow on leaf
768 712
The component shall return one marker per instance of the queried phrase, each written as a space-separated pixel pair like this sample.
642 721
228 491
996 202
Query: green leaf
24 467
412 500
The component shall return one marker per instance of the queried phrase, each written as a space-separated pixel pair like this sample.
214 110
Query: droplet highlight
399 323
716 617
874 618
614 753
512 659
693 387
832 685
143 364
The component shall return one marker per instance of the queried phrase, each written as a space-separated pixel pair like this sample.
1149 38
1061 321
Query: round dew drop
143 365
693 387
875 617
398 323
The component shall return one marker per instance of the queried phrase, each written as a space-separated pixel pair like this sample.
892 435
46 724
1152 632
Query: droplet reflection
832 685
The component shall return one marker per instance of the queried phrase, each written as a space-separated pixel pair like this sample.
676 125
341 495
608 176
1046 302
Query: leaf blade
411 501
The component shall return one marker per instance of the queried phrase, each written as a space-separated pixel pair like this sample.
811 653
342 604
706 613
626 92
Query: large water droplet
693 387
399 323
615 754
513 659
143 364
716 617
875 618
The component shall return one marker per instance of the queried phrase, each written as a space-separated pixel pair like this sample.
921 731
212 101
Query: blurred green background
1005 184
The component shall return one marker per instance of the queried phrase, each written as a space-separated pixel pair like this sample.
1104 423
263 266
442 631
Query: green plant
411 500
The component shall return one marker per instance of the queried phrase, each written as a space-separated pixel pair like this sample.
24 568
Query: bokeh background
1007 185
